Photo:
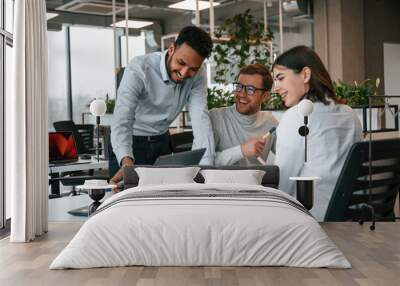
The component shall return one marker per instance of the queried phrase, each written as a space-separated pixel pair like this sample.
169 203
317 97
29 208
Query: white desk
80 165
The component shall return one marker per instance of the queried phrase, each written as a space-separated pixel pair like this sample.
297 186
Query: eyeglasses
248 89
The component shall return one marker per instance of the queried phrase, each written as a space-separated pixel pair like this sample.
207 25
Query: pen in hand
265 137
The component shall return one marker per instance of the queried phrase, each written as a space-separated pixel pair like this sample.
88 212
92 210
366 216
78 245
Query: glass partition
6 29
92 68
9 16
57 83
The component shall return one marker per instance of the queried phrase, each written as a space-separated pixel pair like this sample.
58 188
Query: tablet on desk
181 159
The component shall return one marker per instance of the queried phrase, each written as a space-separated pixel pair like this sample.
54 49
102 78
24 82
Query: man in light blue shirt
154 89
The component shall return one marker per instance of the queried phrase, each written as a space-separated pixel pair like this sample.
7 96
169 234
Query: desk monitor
62 148
187 158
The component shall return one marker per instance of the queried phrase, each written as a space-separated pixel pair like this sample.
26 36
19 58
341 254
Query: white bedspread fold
201 224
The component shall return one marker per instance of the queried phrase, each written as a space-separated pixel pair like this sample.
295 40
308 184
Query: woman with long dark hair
333 126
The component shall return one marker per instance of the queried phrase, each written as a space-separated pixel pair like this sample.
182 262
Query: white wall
391 55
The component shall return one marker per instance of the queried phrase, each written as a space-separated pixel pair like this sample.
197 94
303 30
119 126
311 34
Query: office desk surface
79 165
374 255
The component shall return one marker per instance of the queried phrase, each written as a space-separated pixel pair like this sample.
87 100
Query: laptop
62 148
186 158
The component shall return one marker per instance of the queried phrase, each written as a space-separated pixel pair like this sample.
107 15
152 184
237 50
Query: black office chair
86 134
120 75
351 199
181 142
83 136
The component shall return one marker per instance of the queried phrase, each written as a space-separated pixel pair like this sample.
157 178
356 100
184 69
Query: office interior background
356 39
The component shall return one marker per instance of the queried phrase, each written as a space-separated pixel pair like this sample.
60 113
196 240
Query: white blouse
334 128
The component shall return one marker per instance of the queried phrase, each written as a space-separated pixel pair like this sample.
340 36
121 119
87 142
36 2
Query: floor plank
375 257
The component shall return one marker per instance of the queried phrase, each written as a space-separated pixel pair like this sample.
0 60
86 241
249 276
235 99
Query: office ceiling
158 11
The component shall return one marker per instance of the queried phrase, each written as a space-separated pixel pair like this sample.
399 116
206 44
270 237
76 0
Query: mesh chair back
86 132
352 188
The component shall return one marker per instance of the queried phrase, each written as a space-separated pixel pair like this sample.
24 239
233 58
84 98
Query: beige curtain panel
26 119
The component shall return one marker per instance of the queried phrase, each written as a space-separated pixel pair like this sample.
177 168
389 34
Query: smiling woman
334 127
299 73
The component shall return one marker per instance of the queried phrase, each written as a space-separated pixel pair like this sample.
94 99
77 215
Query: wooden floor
375 256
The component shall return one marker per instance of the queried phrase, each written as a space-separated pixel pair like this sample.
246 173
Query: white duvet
208 230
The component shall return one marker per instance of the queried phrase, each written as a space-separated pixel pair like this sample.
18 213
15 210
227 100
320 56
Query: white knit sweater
231 129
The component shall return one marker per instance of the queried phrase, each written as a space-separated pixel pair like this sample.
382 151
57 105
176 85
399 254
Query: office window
92 67
8 86
6 28
9 12
2 110
136 47
57 83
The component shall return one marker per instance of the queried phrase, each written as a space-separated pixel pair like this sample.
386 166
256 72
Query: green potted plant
241 40
274 102
219 97
357 94
110 103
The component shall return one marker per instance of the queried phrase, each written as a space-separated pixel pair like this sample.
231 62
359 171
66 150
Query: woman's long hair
321 87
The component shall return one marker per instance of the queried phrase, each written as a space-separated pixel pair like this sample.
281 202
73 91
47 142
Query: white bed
201 224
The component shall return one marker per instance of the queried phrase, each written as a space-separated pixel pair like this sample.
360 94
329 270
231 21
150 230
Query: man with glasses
238 129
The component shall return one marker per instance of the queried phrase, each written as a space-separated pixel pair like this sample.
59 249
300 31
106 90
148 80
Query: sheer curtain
26 120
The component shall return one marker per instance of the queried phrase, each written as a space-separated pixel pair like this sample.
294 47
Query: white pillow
249 177
166 176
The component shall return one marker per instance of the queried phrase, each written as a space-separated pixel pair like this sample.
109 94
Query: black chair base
96 195
368 214
82 211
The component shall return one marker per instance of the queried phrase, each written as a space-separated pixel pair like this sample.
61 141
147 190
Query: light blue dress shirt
149 101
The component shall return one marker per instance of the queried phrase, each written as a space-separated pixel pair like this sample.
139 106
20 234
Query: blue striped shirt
149 101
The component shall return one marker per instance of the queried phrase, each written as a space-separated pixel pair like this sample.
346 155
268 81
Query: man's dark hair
260 70
197 39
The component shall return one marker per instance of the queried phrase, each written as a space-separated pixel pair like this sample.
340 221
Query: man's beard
246 110
169 70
